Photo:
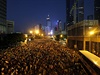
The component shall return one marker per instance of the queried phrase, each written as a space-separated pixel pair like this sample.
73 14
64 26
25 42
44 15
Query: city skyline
26 14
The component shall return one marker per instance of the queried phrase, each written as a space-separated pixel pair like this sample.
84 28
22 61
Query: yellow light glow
61 35
92 32
31 32
37 31
41 34
26 35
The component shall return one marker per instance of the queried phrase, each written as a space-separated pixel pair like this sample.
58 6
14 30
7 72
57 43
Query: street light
41 34
61 35
37 31
26 35
31 32
91 32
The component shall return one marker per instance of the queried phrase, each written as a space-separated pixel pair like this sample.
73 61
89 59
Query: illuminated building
85 17
10 26
59 25
48 26
3 10
97 10
79 10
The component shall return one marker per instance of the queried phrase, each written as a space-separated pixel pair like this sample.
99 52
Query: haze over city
50 37
27 13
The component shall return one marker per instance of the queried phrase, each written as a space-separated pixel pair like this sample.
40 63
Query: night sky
27 13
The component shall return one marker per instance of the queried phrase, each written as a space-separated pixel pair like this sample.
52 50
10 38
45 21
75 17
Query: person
75 47
39 57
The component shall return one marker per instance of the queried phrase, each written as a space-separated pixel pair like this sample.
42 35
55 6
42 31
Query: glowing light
48 33
51 32
29 39
41 34
92 32
61 35
31 32
26 35
57 20
37 31
48 17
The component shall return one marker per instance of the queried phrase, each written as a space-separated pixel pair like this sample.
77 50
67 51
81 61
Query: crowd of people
40 57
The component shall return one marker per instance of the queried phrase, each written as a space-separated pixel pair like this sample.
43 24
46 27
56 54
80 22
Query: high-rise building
3 9
10 26
92 8
97 10
85 17
48 26
59 25
38 29
48 22
69 16
67 11
78 10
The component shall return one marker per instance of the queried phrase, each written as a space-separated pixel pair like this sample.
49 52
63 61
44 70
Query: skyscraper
97 10
68 11
48 27
69 16
79 10
48 22
59 25
74 11
10 26
3 10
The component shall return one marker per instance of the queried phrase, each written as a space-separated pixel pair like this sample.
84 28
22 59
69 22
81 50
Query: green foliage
60 38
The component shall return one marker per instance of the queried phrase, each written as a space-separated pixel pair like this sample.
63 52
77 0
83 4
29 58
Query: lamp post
26 36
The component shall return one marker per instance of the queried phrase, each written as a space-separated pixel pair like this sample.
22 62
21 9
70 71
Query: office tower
10 26
97 10
79 10
59 25
76 11
48 27
69 16
68 11
3 11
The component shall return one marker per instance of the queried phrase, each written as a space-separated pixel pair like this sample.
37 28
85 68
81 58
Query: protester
40 57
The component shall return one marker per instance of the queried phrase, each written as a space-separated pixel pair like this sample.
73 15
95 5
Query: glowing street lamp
31 32
26 35
61 35
37 31
41 34
91 32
